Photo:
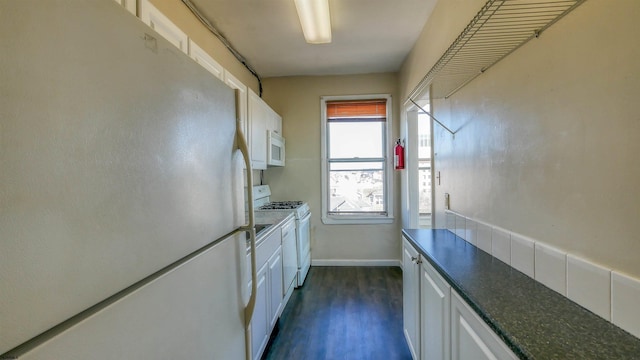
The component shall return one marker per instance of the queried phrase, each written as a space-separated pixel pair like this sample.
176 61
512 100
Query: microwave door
275 149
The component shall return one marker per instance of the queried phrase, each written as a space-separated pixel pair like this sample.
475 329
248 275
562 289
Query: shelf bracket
433 117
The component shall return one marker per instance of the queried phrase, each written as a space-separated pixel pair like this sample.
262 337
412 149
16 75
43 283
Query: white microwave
275 149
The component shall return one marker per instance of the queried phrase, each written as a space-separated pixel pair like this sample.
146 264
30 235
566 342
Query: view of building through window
356 162
424 168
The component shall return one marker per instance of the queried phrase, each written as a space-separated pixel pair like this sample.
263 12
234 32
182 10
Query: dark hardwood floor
346 313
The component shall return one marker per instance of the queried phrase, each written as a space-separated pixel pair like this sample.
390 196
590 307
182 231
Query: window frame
373 218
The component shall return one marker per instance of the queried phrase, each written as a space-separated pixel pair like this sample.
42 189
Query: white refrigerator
121 192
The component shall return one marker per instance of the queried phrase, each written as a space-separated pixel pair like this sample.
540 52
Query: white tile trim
589 285
550 267
471 231
625 293
483 237
623 289
461 226
523 254
501 245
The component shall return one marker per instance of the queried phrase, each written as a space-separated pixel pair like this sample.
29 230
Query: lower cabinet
435 294
275 287
411 297
260 319
471 337
269 292
436 316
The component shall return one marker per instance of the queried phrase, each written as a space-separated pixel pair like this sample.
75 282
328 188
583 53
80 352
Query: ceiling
368 36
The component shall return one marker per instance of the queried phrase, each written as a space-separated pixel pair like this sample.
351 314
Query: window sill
356 220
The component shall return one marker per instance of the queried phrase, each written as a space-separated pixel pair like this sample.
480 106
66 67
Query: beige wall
180 15
297 99
549 138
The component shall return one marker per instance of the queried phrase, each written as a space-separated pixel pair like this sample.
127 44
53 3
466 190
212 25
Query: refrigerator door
116 154
185 314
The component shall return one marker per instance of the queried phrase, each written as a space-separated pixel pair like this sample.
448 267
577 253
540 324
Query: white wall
297 99
548 137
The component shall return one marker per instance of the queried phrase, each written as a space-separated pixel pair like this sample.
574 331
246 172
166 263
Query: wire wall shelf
499 28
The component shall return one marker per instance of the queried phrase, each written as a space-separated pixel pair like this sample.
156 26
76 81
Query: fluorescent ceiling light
315 20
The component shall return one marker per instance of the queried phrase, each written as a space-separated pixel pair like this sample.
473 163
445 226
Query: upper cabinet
204 59
267 149
130 5
258 131
236 84
274 121
160 23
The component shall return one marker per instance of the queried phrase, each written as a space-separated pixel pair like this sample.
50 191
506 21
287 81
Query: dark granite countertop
533 320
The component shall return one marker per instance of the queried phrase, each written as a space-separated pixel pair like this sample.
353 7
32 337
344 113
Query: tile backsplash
625 296
609 294
551 267
523 254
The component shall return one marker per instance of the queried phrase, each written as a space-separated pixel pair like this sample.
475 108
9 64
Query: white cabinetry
274 120
411 297
161 24
130 5
205 60
438 323
435 294
236 84
471 337
275 287
257 131
269 293
260 319
262 119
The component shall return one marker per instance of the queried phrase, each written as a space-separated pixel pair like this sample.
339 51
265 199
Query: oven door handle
306 217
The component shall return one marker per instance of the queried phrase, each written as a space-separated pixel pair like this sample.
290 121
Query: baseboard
355 262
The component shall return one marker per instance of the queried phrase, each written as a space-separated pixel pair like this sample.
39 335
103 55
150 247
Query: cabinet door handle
413 259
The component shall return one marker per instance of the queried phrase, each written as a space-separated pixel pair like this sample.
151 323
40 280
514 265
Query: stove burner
281 205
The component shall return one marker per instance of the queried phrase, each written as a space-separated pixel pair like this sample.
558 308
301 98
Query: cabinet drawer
266 247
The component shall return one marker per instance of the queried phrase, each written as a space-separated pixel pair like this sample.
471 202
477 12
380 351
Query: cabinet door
274 122
161 24
260 319
434 310
258 131
411 297
205 60
275 287
235 84
130 5
471 337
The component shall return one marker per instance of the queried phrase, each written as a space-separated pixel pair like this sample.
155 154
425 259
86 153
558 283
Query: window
424 167
356 167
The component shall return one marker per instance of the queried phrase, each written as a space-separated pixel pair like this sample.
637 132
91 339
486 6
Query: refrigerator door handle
250 227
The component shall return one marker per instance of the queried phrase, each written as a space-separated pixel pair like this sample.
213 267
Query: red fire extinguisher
398 157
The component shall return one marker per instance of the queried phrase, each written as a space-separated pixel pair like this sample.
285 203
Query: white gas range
302 213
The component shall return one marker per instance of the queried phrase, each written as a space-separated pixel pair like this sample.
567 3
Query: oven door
303 232
275 149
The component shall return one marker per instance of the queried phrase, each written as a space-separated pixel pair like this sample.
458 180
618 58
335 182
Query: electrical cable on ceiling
224 41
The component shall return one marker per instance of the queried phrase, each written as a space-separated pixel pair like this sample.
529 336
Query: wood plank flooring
348 313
